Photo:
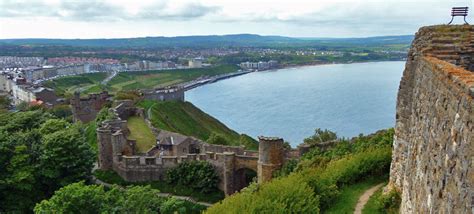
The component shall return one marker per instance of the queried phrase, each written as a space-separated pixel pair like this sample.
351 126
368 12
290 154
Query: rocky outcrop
433 154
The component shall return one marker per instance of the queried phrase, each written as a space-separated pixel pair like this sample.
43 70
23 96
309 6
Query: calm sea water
290 103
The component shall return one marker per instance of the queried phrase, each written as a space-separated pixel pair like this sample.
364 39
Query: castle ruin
86 109
118 153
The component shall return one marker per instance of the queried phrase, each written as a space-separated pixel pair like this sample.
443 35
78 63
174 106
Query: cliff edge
433 151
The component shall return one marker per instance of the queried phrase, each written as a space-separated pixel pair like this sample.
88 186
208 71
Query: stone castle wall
116 152
433 154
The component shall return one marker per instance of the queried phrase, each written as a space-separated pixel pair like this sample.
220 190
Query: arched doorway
243 177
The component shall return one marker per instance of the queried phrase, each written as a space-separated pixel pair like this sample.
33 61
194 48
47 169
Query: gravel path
365 197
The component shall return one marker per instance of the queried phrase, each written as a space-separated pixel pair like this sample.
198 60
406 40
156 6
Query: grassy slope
185 118
350 194
152 79
67 85
90 83
140 132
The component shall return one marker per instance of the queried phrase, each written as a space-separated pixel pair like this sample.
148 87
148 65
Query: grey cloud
187 11
374 13
99 10
92 10
18 8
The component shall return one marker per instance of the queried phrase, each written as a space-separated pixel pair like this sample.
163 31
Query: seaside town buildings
260 66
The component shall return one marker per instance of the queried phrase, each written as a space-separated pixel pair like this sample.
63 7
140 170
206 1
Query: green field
153 79
90 83
140 132
87 83
185 118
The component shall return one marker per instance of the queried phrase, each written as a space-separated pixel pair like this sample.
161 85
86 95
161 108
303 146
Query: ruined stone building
117 152
86 109
433 154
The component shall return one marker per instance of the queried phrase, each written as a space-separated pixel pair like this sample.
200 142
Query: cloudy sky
296 18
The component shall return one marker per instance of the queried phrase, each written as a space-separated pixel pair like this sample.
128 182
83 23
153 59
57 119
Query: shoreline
329 63
214 79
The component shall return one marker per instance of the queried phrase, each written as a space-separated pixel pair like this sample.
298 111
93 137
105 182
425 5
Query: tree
66 157
53 125
173 205
141 199
62 111
74 198
199 175
81 198
217 139
321 136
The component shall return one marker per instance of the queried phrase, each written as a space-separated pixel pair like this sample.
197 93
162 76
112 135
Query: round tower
270 157
104 142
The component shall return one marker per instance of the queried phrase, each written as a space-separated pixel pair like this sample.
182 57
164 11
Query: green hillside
187 119
125 81
87 83
153 79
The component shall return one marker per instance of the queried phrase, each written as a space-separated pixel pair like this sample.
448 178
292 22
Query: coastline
200 82
331 63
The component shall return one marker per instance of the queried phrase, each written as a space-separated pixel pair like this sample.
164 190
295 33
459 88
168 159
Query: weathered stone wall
433 154
86 109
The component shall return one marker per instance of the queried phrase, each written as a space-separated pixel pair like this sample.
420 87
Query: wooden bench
459 11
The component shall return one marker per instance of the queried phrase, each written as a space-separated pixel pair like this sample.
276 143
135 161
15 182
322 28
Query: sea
291 103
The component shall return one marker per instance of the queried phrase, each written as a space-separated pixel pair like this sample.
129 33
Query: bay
290 103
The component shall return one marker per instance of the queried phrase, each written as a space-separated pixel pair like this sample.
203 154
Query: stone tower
271 157
105 148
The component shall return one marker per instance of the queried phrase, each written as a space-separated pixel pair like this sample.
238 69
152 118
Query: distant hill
187 119
236 40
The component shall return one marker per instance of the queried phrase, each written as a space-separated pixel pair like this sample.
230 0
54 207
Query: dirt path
365 197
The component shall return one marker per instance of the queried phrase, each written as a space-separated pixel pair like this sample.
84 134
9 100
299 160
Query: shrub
284 195
104 114
286 169
325 181
199 175
217 139
389 202
321 136
317 179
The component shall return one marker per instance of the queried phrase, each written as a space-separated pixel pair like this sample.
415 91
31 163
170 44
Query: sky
294 18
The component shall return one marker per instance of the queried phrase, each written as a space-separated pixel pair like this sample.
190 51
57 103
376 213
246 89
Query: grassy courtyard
140 132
